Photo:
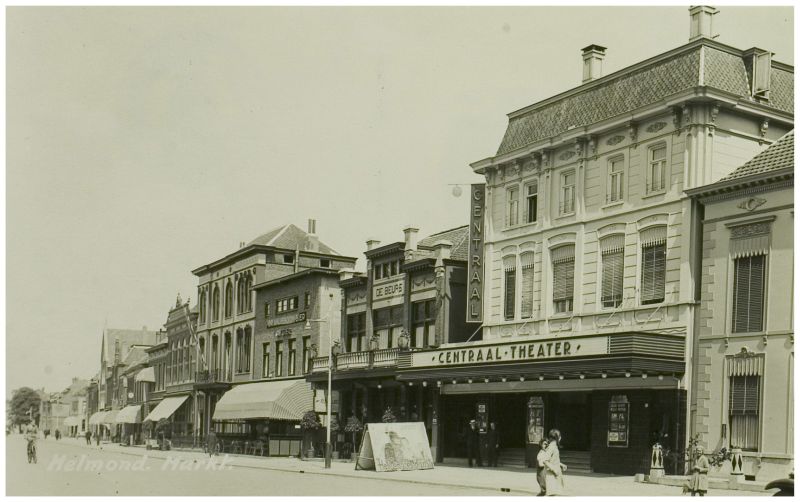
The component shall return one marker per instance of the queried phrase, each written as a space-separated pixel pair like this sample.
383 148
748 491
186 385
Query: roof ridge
445 231
281 232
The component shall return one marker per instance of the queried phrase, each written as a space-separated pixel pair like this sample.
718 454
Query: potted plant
309 423
388 416
353 426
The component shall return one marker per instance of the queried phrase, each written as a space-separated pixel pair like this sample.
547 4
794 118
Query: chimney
372 244
411 241
442 251
313 240
593 56
701 22
346 273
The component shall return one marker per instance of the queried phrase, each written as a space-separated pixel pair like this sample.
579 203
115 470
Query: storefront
129 422
611 396
264 416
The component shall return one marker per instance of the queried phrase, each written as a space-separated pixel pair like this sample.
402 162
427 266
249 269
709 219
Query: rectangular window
615 177
387 323
246 362
656 172
567 193
265 359
306 354
654 270
307 300
510 291
618 421
532 202
396 267
292 358
563 278
748 293
512 197
387 270
286 305
423 323
288 258
324 263
266 309
613 267
743 406
527 285
357 332
378 270
278 359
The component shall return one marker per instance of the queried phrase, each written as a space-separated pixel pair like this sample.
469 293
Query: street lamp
327 319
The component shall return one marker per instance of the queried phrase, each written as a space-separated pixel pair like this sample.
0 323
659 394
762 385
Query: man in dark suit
492 444
473 446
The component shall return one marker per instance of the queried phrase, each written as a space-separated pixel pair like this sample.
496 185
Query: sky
145 142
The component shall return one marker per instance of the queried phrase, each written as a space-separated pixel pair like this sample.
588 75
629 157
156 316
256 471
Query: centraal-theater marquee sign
560 348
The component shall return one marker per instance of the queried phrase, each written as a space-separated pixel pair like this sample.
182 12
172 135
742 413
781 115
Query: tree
23 401
309 423
353 426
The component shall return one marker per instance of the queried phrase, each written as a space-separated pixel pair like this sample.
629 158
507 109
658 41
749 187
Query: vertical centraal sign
477 208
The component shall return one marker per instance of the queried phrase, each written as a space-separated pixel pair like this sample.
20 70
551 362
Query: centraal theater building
585 255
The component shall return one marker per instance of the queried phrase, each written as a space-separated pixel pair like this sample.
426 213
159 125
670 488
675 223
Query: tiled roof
127 339
779 155
459 237
614 96
135 356
289 237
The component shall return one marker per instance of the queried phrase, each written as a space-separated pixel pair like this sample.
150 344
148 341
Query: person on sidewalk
540 475
553 468
58 434
493 444
473 445
89 437
211 443
698 483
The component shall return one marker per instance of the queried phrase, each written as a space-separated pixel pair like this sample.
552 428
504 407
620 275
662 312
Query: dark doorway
509 411
572 415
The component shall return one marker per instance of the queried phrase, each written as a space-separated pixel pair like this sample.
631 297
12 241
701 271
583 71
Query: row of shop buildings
624 274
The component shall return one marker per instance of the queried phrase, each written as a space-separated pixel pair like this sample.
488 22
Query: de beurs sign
509 352
392 289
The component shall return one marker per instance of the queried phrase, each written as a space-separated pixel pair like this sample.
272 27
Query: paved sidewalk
515 481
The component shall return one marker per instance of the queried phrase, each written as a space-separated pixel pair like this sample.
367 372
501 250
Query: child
540 474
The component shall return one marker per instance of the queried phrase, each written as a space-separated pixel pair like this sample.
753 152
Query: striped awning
146 375
746 364
130 415
612 244
751 246
280 400
166 408
653 236
97 418
72 421
110 417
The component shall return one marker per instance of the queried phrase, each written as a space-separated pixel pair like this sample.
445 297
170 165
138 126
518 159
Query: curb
140 452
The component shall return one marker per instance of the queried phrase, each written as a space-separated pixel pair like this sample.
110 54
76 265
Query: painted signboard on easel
399 446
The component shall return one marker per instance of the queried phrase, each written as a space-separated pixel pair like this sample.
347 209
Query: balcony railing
366 359
213 376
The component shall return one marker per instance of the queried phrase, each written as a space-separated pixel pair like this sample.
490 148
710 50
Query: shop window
618 421
657 167
748 293
612 251
509 286
357 332
531 202
563 278
654 264
424 323
743 407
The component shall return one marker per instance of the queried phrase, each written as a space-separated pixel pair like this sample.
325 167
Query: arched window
228 299
202 354
248 293
239 347
214 363
246 349
201 305
226 362
215 304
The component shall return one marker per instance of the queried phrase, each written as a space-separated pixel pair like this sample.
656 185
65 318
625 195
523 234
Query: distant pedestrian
46 433
473 445
493 444
550 458
211 443
97 438
89 438
698 483
58 434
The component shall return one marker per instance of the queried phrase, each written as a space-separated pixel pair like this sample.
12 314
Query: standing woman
553 468
699 481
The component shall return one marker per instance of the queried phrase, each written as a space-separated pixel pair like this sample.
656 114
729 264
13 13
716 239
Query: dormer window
288 258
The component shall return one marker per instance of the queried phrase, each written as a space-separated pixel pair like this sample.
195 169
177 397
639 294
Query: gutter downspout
698 210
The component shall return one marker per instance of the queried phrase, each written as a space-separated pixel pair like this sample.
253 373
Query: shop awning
166 408
72 421
281 400
97 418
110 417
146 375
130 415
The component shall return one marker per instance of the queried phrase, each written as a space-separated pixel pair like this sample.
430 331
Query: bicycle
31 452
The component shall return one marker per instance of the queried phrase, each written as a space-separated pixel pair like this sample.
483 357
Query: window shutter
527 285
744 395
613 265
748 294
654 263
510 265
563 272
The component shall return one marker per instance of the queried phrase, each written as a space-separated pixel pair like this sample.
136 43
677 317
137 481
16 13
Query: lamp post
327 319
